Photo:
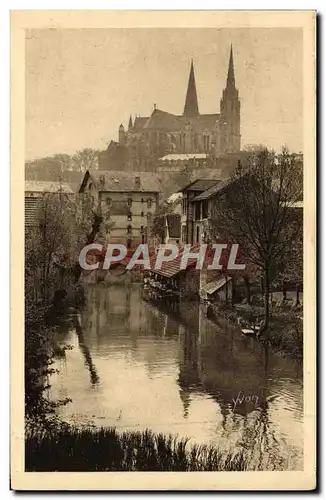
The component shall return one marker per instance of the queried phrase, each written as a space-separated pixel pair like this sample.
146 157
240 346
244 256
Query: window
129 229
197 234
149 202
129 216
149 216
142 214
143 238
197 211
129 243
129 202
108 201
184 206
205 209
141 229
142 200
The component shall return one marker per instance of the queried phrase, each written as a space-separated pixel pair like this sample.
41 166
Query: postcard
163 250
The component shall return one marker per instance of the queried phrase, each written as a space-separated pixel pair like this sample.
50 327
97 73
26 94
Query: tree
85 159
254 209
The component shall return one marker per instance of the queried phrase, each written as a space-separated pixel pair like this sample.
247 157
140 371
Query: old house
191 233
127 202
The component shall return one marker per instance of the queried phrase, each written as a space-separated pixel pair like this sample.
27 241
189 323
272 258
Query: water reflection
169 368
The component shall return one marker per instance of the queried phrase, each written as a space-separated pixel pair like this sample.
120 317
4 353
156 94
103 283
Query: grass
105 449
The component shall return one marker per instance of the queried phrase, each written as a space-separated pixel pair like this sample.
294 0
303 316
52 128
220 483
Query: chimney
137 182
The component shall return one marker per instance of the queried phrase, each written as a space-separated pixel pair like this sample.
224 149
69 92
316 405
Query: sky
82 83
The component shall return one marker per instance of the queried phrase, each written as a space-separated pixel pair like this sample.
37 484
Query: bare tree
64 224
254 209
85 159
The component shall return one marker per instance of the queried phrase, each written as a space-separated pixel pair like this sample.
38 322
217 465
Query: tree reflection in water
95 380
219 365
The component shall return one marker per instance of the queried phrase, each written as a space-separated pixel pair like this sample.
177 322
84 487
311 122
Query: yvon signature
242 398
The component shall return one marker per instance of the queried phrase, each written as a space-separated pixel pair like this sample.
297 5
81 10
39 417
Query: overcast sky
81 84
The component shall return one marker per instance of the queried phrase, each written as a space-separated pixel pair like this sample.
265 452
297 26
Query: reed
105 449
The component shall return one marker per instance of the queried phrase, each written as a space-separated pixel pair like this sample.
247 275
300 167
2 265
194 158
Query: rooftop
200 185
213 286
162 120
172 268
116 181
183 157
47 187
211 191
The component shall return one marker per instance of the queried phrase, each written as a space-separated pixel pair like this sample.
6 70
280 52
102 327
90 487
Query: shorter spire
230 82
191 104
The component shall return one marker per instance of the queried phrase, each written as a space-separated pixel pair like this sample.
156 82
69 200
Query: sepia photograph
167 243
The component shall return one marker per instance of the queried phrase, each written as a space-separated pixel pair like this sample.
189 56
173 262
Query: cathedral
149 138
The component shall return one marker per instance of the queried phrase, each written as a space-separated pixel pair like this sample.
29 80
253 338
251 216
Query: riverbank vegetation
285 326
105 449
260 208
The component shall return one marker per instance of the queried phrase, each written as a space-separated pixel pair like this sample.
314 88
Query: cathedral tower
122 134
230 113
191 104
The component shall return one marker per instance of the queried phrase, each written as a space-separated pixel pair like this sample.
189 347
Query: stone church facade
149 138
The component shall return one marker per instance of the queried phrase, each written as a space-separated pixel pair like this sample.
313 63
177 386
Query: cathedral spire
130 123
230 82
191 104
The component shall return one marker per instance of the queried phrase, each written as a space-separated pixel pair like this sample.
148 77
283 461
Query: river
135 365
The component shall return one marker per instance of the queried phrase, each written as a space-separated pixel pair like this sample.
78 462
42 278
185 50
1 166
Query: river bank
285 333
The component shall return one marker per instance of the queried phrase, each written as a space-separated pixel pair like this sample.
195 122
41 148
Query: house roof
174 225
213 286
183 156
200 185
47 187
172 268
211 191
116 181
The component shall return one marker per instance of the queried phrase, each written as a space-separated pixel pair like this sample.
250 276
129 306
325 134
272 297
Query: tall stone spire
191 104
230 82
130 123
230 138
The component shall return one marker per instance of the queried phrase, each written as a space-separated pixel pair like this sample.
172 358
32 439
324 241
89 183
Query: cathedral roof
204 122
139 123
164 121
